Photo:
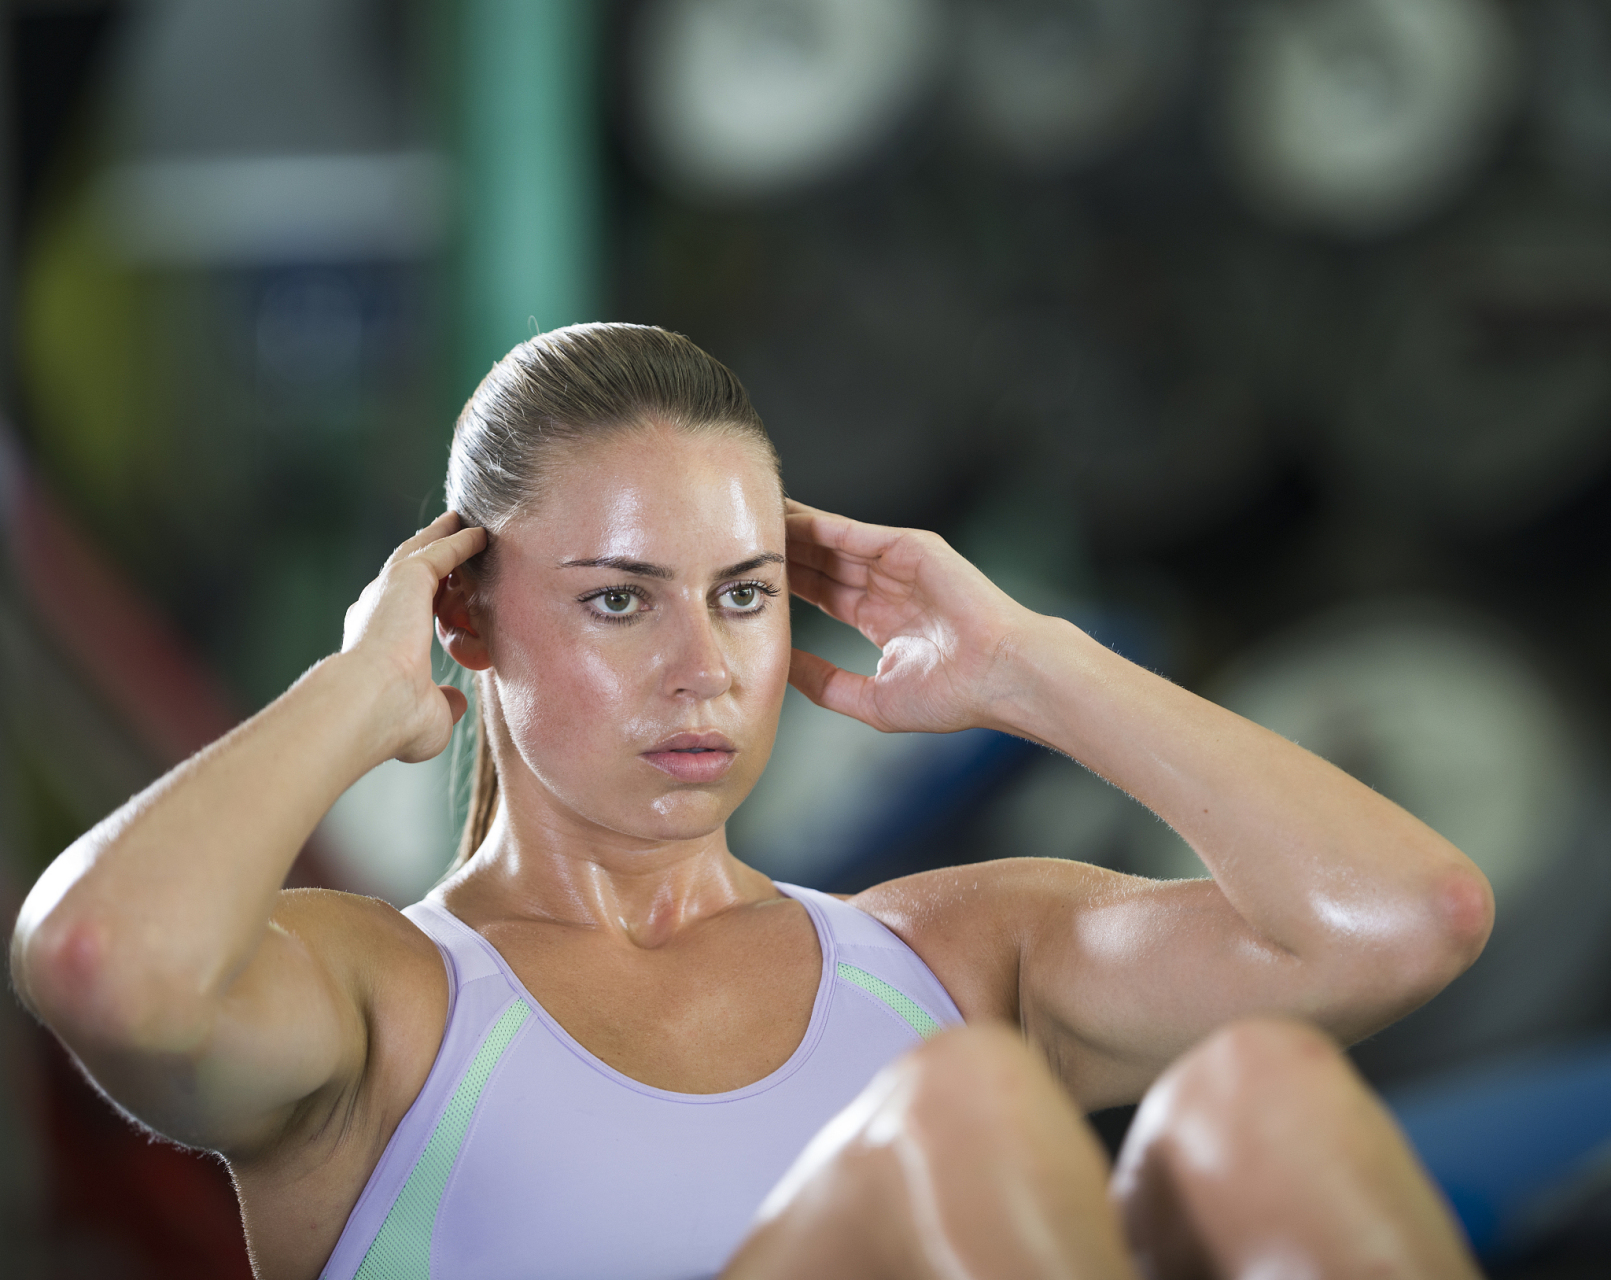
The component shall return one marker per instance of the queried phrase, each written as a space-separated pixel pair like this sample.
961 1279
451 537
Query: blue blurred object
1519 1145
843 805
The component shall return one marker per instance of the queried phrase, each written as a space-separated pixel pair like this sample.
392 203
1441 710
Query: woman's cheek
764 659
602 687
573 698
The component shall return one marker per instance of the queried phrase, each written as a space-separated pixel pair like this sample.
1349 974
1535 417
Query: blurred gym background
1269 340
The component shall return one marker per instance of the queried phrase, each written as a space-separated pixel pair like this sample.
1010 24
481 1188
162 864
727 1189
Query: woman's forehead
698 499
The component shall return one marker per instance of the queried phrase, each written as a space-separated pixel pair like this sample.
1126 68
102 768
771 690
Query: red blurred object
123 647
137 1206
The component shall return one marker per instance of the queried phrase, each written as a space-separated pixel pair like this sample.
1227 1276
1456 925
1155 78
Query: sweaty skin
633 650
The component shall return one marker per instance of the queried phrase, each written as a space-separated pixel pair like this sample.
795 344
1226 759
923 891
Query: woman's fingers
865 542
389 601
825 560
833 598
832 687
443 525
446 554
458 704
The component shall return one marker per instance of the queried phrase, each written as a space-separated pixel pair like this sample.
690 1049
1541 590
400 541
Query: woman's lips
691 766
692 757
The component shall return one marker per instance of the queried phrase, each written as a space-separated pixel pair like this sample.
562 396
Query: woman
602 1039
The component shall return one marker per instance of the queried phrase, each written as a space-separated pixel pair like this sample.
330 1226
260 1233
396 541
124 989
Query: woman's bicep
1126 974
1114 976
289 1031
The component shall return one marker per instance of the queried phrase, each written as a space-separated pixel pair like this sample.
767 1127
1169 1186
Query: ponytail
483 793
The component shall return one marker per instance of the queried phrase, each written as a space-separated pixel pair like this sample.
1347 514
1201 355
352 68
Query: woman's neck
552 867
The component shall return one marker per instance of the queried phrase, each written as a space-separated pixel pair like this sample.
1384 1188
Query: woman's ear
457 624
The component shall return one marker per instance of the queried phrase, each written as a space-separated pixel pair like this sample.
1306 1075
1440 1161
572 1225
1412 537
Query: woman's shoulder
969 923
300 1190
986 895
389 974
321 908
366 944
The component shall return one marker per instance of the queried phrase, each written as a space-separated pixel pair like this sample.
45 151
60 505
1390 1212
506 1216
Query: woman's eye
619 603
743 598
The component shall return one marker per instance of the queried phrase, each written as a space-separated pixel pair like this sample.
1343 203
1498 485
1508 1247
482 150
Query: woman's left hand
945 629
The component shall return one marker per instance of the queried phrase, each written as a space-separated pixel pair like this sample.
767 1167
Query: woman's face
639 633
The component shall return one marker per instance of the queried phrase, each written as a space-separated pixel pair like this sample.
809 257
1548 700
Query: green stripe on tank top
402 1247
915 1017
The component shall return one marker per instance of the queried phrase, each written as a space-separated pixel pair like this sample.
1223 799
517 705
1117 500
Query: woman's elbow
60 970
1388 953
1463 914
68 971
1433 936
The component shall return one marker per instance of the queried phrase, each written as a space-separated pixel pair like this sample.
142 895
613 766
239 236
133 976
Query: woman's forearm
140 926
1313 860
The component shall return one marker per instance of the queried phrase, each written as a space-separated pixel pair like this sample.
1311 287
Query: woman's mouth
693 757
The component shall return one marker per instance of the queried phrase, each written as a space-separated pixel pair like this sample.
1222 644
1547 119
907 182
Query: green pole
529 243
529 178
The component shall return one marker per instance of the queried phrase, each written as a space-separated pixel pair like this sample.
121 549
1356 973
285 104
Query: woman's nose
698 667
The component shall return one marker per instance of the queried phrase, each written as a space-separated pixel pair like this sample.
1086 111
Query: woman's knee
1258 1067
978 1084
965 1149
1253 1088
1204 1134
1264 1137
963 1079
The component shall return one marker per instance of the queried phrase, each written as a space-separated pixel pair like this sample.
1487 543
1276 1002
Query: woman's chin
686 816
665 819
667 813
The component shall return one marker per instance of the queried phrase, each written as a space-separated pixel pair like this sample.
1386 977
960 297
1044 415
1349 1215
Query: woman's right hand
388 630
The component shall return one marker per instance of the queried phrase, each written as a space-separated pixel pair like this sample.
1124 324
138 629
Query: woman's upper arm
289 1034
1114 976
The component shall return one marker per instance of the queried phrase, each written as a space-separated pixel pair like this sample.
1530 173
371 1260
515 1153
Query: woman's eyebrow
754 562
637 568
643 569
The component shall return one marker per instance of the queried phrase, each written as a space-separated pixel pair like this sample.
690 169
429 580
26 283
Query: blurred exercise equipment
224 343
267 131
748 99
1055 84
254 398
249 210
1480 391
1142 406
532 249
856 380
1574 88
91 620
1444 714
1362 117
